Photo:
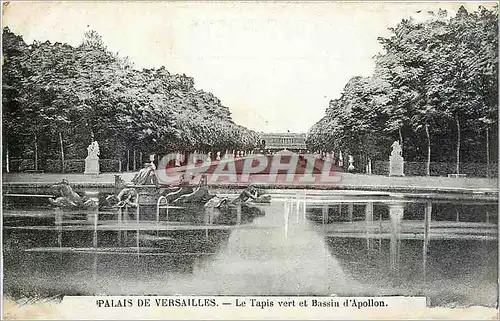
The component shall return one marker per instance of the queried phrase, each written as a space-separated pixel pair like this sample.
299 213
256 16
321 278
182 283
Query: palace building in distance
280 141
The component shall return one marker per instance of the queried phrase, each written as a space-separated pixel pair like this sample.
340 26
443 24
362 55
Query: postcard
249 160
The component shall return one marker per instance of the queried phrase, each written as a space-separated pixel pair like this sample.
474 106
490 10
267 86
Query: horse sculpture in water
184 193
188 194
127 197
249 195
70 199
201 194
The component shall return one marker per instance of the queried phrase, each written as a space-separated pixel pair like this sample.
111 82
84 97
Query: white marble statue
93 150
92 160
396 149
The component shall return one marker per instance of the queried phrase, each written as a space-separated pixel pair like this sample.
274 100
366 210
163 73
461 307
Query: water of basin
303 243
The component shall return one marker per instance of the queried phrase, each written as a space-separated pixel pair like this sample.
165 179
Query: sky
276 65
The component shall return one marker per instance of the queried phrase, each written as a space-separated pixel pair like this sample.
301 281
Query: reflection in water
463 254
276 255
396 211
298 245
58 223
370 229
427 234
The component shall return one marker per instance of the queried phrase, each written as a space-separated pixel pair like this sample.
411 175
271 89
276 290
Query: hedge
437 168
70 165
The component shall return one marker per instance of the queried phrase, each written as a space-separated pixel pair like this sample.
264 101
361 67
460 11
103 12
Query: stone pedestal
396 165
91 165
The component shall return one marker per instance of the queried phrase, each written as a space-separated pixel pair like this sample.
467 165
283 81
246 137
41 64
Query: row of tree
58 98
434 88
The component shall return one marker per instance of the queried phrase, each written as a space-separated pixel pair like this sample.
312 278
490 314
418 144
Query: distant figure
218 156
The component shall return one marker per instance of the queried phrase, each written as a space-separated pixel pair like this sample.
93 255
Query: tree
437 77
64 97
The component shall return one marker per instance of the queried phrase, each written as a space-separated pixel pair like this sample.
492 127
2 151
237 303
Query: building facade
280 141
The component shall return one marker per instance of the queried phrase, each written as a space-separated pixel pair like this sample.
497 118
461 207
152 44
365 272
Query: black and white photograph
249 160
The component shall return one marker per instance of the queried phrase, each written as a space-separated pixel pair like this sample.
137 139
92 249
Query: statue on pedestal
351 163
92 160
396 161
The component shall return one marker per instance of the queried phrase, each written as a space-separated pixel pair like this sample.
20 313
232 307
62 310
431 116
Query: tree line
58 98
434 88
